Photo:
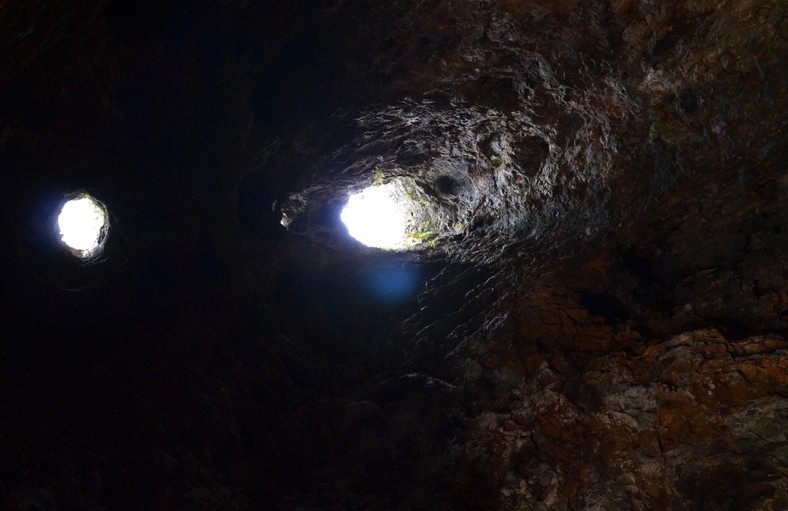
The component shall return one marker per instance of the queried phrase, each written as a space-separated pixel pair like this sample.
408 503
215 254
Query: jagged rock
597 322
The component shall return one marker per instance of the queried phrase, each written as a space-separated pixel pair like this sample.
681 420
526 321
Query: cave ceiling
595 319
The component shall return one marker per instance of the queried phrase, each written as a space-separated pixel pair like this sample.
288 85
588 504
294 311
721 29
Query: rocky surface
597 322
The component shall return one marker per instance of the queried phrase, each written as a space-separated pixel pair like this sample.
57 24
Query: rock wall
599 322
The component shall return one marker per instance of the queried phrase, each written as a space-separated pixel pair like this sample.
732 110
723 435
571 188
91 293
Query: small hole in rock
83 225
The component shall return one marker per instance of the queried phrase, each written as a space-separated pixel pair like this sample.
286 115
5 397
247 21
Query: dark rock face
597 322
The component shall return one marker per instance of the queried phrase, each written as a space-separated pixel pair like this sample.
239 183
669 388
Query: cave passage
402 255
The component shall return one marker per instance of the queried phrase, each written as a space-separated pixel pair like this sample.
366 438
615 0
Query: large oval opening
377 218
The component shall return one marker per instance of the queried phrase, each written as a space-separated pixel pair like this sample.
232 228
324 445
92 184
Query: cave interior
590 311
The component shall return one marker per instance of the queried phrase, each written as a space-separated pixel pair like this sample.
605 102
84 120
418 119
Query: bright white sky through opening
80 222
375 219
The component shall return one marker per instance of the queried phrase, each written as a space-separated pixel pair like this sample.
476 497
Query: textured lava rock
599 322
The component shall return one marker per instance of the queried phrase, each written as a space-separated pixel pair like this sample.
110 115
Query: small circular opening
83 225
